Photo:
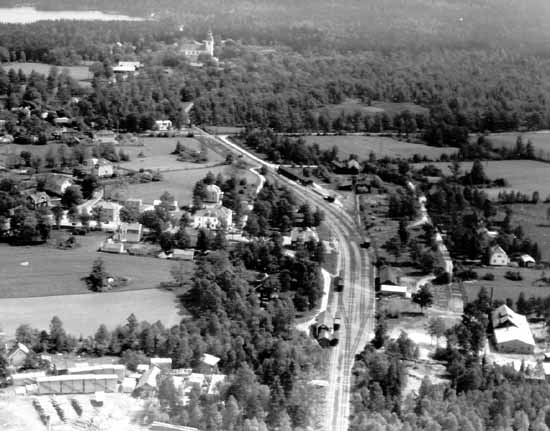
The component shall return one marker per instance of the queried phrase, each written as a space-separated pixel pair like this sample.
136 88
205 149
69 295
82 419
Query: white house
498 257
105 137
99 167
511 330
163 125
129 232
303 235
125 67
194 49
213 218
110 213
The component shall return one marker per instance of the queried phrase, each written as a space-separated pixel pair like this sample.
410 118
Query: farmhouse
99 167
163 125
511 330
17 357
38 200
213 218
498 257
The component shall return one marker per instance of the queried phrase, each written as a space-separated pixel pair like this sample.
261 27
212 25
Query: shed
183 254
210 360
112 247
526 261
391 290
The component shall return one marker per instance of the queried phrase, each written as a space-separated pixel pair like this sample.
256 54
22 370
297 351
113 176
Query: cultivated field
180 184
82 314
58 272
381 146
157 154
503 288
525 176
80 73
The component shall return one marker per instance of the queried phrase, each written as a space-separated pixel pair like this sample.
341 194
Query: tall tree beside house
98 216
72 196
424 297
89 185
57 212
403 232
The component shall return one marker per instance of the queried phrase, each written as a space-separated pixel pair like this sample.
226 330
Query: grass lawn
82 314
381 146
58 272
502 287
157 154
181 183
80 73
525 176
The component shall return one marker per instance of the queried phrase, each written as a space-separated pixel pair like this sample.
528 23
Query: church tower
209 44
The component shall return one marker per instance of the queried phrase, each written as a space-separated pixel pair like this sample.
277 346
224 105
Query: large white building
511 330
194 49
213 218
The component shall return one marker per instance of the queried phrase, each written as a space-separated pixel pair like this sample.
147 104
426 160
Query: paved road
355 304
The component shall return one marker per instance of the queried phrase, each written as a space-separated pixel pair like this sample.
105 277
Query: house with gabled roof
498 257
511 331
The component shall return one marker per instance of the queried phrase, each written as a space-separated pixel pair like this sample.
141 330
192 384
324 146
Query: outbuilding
512 333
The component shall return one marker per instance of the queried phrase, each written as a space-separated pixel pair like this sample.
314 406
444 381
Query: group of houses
80 377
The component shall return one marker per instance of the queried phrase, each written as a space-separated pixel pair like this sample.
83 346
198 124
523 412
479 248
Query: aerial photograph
275 215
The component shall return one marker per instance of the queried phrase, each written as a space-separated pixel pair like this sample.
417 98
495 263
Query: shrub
513 275
489 277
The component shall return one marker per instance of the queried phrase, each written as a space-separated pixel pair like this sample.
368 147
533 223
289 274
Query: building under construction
77 384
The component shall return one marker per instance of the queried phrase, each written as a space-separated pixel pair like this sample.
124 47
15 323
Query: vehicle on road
339 283
337 322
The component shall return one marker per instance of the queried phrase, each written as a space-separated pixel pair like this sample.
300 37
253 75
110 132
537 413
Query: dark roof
388 276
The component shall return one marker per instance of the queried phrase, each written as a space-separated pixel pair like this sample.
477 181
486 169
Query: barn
511 331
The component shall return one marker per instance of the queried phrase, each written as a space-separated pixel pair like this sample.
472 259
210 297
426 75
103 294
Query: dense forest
346 24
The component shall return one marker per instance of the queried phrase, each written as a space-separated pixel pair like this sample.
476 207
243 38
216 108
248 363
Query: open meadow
502 288
534 222
82 314
525 176
379 145
180 184
51 271
79 73
156 154
540 140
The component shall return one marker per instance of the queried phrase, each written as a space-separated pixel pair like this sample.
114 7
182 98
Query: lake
26 15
